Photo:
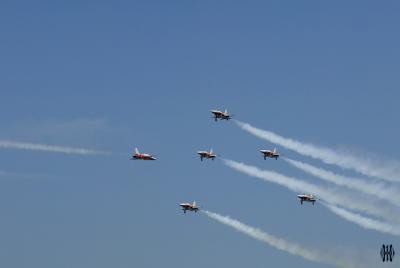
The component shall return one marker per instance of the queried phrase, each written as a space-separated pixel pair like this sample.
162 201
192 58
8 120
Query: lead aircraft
139 156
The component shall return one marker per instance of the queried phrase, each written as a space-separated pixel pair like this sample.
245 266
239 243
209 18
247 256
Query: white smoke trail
334 197
363 221
377 189
388 170
48 148
282 244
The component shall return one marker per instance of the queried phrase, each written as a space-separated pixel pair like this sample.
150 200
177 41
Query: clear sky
114 75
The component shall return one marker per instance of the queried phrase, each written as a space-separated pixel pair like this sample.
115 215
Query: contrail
388 170
334 197
377 189
363 221
282 244
48 148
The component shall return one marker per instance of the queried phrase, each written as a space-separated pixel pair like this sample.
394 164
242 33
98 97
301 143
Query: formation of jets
221 115
387 252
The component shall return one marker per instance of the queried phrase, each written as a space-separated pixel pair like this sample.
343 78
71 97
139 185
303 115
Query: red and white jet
217 114
307 198
207 155
190 207
270 154
138 156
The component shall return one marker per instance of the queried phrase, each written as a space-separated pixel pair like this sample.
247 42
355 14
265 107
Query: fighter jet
138 156
190 207
270 154
307 198
217 114
205 154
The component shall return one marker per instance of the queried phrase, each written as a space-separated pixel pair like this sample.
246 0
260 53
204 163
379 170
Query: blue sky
114 75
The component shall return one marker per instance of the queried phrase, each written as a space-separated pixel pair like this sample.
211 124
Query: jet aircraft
139 156
190 207
307 198
207 155
222 115
270 154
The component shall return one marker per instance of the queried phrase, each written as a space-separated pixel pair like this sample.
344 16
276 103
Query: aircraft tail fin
211 151
275 150
194 203
136 151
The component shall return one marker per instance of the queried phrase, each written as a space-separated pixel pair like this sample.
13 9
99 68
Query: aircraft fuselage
207 155
143 157
190 207
269 154
307 198
220 115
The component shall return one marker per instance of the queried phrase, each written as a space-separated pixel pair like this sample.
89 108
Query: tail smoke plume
380 190
282 244
48 148
363 221
388 170
349 201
